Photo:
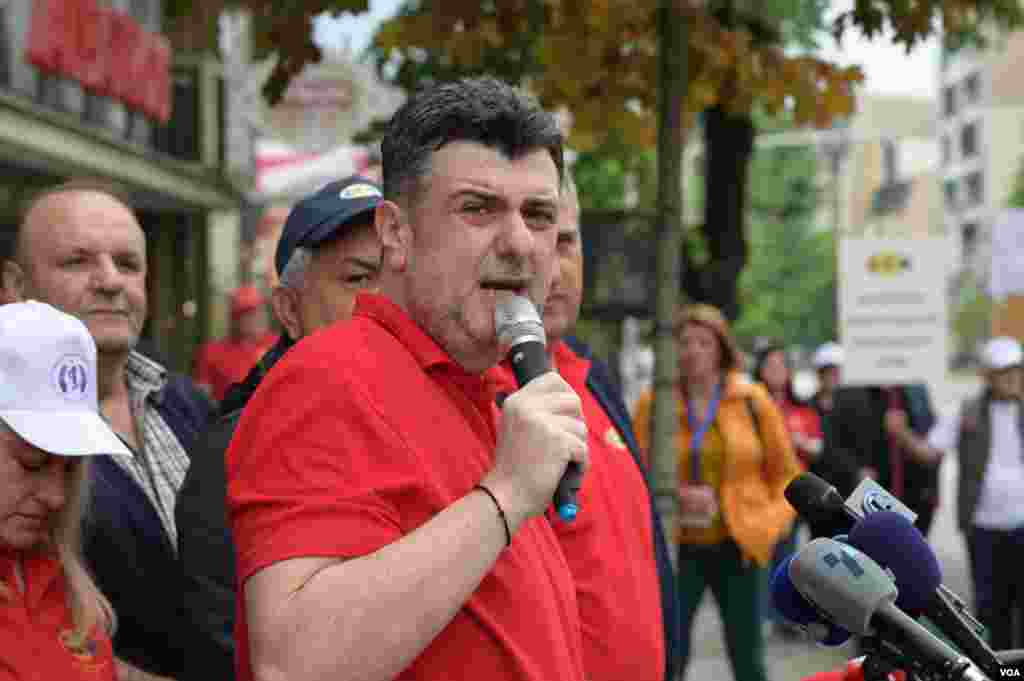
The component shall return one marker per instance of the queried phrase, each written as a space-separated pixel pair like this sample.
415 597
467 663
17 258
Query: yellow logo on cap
359 191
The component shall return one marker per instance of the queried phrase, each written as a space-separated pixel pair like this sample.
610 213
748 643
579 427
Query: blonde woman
54 622
735 460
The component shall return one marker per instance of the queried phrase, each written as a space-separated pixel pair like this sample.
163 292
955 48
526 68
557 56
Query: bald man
80 248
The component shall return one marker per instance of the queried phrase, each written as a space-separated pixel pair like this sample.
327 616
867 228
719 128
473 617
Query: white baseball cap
1001 353
48 382
828 355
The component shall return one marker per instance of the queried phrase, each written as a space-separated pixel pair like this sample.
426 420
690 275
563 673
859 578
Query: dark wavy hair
762 357
483 110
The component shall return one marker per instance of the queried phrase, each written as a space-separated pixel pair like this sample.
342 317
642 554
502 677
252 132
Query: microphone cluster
874 582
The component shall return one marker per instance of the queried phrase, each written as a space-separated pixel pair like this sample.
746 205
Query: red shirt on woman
804 420
34 620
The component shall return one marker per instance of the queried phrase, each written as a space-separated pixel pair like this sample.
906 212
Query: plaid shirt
160 467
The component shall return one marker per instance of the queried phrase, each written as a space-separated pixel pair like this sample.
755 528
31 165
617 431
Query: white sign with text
893 320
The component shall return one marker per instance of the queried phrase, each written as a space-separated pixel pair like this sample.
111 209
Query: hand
696 499
896 423
542 430
808 446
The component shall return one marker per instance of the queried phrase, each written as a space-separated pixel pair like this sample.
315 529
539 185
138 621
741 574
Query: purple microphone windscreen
796 609
894 543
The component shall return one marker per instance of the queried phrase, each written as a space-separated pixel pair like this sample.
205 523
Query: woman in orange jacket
735 460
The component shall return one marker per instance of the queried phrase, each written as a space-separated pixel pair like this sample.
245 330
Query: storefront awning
56 142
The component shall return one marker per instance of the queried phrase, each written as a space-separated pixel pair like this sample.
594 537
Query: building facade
91 88
981 136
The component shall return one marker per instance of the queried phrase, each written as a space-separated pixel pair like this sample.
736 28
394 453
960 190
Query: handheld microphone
856 593
518 325
894 543
796 609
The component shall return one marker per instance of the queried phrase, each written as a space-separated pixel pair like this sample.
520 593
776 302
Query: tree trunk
728 146
672 36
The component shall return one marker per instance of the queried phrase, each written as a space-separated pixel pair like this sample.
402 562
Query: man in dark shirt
327 253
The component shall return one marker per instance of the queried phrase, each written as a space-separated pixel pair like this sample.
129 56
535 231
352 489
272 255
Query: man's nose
107 276
516 238
558 275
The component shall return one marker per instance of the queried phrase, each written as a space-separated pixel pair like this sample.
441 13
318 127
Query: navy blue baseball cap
319 216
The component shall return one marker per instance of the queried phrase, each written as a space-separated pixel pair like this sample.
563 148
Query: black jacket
850 438
205 548
129 552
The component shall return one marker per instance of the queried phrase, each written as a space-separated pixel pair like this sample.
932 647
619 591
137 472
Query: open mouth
517 287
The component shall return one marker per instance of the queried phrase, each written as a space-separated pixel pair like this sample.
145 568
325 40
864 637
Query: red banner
158 99
93 35
104 49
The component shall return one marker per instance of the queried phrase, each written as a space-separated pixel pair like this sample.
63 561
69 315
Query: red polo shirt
361 434
221 363
31 624
610 548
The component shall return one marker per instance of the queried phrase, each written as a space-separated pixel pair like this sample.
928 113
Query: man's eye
360 279
130 266
542 216
73 262
476 208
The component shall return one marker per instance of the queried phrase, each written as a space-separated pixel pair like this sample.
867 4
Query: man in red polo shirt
385 525
616 551
219 364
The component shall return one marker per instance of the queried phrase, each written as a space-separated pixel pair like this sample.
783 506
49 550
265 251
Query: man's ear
12 282
285 303
394 234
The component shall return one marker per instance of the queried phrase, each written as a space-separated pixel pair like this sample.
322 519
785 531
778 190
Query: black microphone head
517 319
813 497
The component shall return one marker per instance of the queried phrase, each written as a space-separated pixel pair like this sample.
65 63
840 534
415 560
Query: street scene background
789 659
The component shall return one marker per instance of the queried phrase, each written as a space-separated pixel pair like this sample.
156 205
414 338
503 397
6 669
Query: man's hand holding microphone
542 431
542 442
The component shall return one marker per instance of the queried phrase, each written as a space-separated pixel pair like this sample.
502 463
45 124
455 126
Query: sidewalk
787 660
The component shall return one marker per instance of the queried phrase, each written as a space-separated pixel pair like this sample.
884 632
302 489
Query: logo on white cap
359 191
70 377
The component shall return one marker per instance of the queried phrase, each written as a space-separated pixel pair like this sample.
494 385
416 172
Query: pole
672 77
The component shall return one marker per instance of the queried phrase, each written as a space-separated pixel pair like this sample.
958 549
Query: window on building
975 188
968 240
950 191
969 140
947 153
972 88
948 101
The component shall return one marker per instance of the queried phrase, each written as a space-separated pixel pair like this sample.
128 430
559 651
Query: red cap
244 299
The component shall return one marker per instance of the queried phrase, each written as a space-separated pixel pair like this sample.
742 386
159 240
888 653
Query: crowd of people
367 493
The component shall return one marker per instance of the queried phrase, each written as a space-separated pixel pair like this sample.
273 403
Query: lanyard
700 430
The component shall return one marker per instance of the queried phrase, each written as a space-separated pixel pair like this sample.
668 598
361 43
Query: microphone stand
881 658
965 631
